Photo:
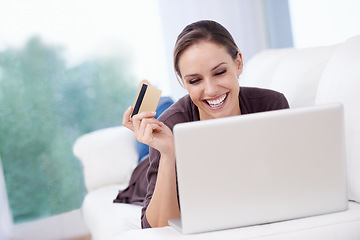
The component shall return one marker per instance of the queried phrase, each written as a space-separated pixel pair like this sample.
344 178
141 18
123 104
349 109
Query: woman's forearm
164 203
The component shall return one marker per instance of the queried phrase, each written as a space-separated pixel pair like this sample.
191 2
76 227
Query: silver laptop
260 168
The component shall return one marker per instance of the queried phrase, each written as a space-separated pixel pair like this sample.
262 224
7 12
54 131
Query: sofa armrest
108 156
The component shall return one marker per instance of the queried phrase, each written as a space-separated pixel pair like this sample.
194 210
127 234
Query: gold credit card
147 99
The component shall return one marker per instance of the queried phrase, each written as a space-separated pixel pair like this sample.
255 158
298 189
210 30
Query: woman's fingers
138 122
140 126
133 122
147 132
145 127
138 118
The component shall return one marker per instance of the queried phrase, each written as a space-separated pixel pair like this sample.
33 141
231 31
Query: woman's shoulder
255 92
261 99
183 110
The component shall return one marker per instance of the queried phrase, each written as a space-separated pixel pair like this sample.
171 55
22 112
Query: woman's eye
193 81
220 73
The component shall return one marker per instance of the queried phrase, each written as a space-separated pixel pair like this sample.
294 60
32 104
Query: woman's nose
210 88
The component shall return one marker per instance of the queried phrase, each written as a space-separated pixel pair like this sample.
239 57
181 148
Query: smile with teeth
217 102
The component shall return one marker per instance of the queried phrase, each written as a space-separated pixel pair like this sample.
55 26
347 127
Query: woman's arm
164 203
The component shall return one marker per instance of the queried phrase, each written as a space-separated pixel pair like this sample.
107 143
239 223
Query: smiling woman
211 78
208 64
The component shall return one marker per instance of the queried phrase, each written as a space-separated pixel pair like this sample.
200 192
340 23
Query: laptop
260 168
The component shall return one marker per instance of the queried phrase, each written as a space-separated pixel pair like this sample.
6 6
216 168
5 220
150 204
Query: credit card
147 99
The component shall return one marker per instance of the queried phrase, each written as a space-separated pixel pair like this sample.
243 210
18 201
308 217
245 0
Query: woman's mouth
217 102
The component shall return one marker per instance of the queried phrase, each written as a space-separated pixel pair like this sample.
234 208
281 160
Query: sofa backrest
317 76
260 69
340 82
299 73
294 72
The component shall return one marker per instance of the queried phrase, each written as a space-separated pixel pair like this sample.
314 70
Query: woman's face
210 75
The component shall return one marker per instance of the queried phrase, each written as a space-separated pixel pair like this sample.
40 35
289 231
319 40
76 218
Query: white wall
243 18
324 22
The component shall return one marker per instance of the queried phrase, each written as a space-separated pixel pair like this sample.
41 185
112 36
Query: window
66 68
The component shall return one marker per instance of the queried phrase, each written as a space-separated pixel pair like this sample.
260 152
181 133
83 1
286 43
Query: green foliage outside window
44 106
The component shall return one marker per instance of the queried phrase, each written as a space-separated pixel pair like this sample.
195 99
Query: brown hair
203 30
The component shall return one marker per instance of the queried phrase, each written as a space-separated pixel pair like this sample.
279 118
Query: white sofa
307 77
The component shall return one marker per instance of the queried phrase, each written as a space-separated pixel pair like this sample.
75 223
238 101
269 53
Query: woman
207 63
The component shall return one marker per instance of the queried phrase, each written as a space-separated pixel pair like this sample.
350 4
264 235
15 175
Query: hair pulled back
203 30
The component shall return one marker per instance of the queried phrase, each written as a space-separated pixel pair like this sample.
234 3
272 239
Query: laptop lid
260 168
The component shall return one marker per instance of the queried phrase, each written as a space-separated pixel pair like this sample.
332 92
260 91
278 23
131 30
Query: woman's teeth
217 102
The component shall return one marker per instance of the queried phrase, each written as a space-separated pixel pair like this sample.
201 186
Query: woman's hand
150 131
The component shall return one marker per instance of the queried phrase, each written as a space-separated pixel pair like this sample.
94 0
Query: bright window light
324 22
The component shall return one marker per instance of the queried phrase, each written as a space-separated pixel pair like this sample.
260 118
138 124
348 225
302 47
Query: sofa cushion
339 226
340 82
108 156
298 74
106 219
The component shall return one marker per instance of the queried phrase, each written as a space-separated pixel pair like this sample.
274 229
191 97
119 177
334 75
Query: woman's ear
239 63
